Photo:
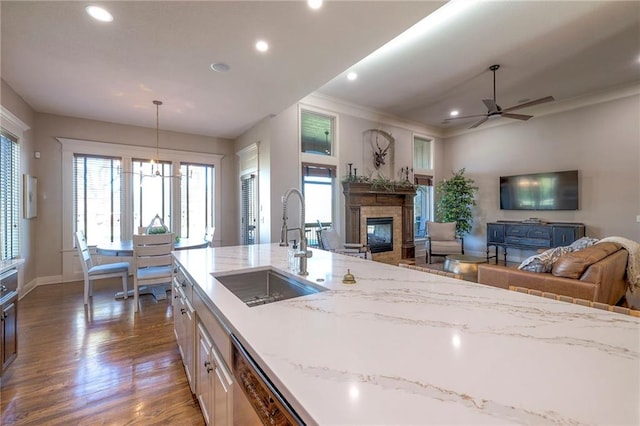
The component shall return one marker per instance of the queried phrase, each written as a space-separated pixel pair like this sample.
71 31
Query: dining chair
442 240
330 240
152 262
93 272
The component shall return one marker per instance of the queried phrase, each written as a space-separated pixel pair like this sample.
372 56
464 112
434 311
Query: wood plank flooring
97 365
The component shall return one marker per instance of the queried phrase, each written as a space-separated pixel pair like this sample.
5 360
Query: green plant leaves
456 196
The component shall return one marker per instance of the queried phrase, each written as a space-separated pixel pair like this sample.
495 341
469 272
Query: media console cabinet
530 235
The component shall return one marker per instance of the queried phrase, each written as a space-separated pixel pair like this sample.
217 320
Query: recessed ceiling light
314 4
454 113
99 13
262 46
352 76
220 67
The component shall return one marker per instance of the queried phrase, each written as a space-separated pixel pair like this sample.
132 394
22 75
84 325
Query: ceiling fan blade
517 116
491 105
479 123
530 103
466 116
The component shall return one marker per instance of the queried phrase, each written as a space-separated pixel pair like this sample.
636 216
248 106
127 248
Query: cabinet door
495 233
563 235
188 338
9 336
177 321
204 368
223 383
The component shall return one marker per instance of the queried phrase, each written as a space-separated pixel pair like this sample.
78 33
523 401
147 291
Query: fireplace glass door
380 234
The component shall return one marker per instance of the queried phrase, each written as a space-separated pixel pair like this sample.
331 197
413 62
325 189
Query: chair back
330 240
208 234
83 252
438 231
152 250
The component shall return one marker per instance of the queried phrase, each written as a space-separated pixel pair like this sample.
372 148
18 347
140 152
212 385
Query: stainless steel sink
265 286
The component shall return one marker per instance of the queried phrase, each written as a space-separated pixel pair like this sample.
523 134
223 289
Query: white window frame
127 153
328 160
249 163
12 124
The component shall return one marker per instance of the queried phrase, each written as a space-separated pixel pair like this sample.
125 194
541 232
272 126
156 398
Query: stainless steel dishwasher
256 399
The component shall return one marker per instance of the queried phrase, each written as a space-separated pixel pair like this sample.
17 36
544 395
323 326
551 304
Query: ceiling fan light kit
495 111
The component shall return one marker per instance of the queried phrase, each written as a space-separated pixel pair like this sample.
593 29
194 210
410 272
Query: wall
49 222
15 105
602 141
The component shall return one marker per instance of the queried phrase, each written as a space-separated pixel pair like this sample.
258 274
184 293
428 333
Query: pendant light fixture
157 158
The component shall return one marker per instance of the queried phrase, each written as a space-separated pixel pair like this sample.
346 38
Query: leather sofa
596 273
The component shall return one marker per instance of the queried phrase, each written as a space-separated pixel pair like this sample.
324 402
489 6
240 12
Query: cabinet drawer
529 242
539 233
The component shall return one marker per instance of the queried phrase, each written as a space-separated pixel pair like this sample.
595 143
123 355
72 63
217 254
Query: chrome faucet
303 253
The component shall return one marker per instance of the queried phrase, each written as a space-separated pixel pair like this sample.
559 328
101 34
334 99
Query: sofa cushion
573 265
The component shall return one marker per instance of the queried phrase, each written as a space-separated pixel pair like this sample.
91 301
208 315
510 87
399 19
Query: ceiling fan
495 110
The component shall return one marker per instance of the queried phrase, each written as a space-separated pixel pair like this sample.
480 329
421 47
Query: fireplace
380 234
364 201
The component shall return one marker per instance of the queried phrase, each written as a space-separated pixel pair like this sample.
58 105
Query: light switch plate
638 218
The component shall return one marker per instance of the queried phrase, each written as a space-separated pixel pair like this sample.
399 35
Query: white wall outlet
638 218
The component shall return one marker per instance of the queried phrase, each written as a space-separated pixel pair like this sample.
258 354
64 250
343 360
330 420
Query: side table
464 265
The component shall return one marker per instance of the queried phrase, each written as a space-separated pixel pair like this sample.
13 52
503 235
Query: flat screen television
540 191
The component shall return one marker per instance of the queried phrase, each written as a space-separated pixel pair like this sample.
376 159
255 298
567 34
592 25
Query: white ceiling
62 62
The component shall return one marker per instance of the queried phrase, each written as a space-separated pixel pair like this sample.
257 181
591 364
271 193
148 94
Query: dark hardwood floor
97 365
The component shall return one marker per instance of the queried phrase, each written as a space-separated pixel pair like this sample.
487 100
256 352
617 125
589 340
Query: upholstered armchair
442 240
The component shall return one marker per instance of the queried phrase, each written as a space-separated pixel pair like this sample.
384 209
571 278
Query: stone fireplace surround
362 201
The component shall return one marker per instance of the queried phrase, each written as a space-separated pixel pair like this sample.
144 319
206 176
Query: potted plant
455 199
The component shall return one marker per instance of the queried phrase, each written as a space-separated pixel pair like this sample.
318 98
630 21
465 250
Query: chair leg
87 283
125 276
135 295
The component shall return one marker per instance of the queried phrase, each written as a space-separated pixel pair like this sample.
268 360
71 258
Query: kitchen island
405 347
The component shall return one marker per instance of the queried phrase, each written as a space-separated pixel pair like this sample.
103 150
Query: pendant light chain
157 104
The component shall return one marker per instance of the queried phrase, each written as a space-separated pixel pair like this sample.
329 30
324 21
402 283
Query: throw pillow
543 262
583 242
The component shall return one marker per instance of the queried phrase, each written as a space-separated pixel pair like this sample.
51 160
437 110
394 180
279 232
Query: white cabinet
213 381
205 347
184 318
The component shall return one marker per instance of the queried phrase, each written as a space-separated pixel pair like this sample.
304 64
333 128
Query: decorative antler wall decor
381 146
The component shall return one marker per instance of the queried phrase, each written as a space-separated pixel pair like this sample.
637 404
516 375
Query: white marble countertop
406 347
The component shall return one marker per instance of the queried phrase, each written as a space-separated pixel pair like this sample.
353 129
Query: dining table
124 248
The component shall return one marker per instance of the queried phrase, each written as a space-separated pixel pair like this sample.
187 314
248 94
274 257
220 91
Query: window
316 133
9 196
422 204
97 197
196 199
422 154
151 192
317 188
248 213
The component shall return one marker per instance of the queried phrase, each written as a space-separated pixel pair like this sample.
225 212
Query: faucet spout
304 253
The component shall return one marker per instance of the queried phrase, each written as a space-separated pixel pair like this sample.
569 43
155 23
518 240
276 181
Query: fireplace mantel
359 194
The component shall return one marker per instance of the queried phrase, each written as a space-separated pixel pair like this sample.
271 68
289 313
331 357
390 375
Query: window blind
9 196
196 199
248 209
97 197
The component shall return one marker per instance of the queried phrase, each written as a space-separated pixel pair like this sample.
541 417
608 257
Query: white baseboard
31 285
